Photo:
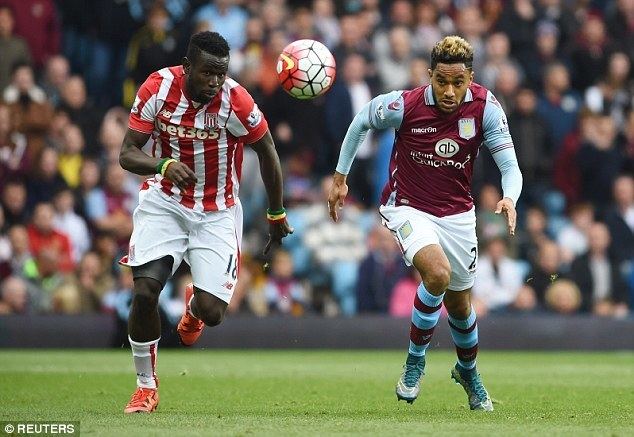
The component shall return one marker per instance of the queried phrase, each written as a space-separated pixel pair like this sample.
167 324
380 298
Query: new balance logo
165 113
423 130
228 285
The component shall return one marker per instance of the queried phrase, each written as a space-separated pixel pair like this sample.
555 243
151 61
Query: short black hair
210 42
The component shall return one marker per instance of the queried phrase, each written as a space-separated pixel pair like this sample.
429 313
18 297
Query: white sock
145 362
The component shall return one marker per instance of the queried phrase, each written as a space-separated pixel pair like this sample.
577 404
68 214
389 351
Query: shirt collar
429 96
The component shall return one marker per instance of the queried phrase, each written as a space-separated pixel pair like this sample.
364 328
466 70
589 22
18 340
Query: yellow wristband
275 217
165 165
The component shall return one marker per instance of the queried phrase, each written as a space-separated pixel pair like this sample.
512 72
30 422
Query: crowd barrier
536 332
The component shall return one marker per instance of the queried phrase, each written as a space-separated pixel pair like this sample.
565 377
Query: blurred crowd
562 70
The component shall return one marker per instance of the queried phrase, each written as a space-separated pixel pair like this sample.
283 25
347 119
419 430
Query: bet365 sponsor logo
187 132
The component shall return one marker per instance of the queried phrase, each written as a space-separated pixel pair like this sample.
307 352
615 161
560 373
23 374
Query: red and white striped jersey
208 138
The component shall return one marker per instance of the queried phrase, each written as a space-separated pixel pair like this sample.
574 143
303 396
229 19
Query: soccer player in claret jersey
427 201
198 120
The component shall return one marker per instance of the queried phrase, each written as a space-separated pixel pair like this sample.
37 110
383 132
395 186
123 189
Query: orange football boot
144 400
189 328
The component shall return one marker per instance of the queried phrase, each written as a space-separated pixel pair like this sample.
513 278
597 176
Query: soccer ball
306 69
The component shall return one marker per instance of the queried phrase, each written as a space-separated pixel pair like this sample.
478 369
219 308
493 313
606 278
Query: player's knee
436 280
210 309
213 315
146 294
458 308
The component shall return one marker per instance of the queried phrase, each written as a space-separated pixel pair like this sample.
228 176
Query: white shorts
456 234
208 241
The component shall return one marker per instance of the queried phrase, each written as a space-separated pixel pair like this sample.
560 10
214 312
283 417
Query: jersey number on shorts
474 251
234 270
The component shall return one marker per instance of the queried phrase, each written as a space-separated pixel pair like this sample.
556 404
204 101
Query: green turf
209 392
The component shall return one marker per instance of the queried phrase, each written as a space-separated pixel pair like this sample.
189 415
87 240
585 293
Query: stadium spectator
36 21
545 52
489 224
69 223
589 54
498 51
151 48
379 272
46 180
518 21
598 276
346 98
427 31
599 162
14 161
531 135
620 222
284 293
225 17
558 105
70 157
613 93
28 104
326 22
14 205
14 296
44 237
545 270
80 110
56 73
22 262
13 48
499 278
573 238
110 209
563 297
5 249
393 61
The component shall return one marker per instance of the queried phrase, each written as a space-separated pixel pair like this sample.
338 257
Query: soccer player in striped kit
195 121
427 201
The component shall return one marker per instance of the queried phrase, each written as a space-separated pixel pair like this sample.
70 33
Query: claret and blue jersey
431 166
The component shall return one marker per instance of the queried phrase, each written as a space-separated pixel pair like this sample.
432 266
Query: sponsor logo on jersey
380 111
255 117
135 105
395 105
504 125
466 128
186 132
447 148
211 121
424 130
433 161
405 230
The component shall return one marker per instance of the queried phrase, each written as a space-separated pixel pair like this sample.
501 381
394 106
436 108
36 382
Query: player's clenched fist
180 174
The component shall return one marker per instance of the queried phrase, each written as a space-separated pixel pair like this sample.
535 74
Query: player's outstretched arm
337 195
133 159
271 171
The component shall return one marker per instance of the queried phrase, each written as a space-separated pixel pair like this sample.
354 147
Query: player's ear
430 71
471 76
187 66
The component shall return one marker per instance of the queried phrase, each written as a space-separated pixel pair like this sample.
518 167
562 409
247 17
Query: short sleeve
245 121
143 112
386 110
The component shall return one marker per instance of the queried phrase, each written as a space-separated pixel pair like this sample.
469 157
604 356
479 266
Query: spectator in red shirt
42 236
36 22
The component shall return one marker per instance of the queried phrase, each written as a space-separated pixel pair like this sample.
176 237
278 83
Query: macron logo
423 130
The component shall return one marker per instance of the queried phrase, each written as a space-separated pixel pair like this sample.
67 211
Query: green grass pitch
253 392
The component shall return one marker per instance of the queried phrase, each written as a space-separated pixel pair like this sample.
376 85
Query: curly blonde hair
452 49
